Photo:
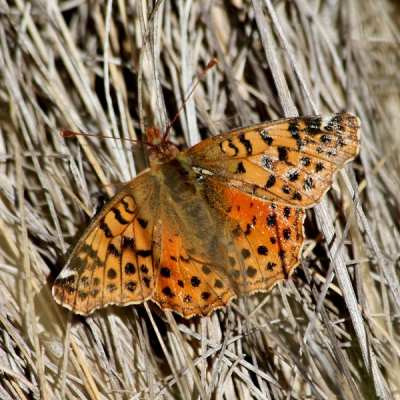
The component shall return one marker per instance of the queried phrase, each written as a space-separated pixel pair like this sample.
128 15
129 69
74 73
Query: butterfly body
223 218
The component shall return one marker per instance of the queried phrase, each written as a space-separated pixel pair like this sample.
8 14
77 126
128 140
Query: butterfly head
160 149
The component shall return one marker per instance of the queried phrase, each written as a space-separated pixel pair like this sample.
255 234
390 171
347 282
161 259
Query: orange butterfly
221 219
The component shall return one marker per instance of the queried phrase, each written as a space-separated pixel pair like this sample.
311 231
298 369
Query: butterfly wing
189 283
192 275
113 262
261 178
268 237
140 248
288 161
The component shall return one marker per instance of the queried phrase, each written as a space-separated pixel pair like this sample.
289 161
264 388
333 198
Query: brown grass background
332 331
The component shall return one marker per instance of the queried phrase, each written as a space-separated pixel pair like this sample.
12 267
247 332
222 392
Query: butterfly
200 227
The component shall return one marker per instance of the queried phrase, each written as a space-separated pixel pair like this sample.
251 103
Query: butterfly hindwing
268 237
193 251
188 283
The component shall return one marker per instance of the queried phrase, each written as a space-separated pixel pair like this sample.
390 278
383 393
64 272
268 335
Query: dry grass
292 58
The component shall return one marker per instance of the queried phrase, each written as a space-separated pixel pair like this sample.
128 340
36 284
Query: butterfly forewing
113 263
289 161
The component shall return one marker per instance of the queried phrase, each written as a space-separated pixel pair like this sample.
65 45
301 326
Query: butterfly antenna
73 134
68 134
210 65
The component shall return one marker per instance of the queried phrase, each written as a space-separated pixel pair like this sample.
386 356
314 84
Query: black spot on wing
286 233
143 253
205 295
306 161
246 143
111 288
283 154
266 138
126 204
300 144
218 284
194 281
85 281
111 249
240 168
146 281
262 250
165 272
271 266
111 273
144 269
334 123
119 217
143 222
245 253
308 183
271 220
293 176
168 292
130 286
206 270
251 272
128 243
130 269
294 130
104 227
326 140
297 196
266 162
270 182
231 146
313 125
319 166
